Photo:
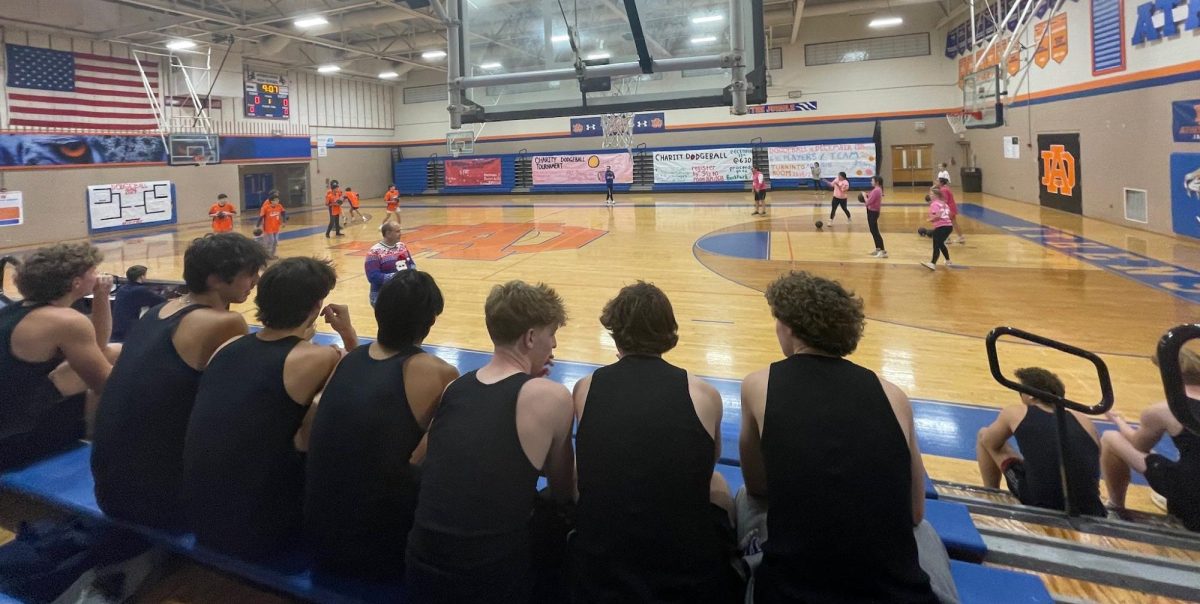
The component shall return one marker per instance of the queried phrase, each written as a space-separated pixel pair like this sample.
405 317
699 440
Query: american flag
77 90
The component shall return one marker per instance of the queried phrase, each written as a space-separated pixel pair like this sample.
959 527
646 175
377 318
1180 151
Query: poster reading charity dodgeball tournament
703 165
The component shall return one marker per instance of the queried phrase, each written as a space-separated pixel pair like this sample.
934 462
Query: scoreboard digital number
267 100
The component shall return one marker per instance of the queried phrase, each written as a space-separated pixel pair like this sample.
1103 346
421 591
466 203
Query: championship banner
11 209
1185 121
473 172
703 165
1185 193
1058 38
581 168
130 205
857 160
1060 172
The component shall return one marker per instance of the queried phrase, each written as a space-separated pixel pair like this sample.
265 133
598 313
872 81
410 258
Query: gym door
912 165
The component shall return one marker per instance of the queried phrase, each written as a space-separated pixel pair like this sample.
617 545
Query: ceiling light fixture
328 69
433 54
387 75
704 39
560 38
596 56
882 22
181 44
310 21
493 65
707 19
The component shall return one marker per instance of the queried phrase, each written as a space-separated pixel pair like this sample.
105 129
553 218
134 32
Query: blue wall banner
1185 193
586 126
645 123
26 150
1185 121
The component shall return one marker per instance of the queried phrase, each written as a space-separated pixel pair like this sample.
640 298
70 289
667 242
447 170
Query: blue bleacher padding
5 599
979 584
953 524
65 481
930 492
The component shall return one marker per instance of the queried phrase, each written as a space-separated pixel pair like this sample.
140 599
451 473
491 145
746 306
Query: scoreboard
266 96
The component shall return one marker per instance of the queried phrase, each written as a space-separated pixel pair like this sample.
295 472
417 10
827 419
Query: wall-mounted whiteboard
130 205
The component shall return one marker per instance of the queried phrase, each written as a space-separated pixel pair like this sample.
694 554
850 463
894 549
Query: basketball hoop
957 120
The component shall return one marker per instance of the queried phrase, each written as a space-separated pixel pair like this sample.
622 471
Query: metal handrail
1106 391
1060 403
1185 408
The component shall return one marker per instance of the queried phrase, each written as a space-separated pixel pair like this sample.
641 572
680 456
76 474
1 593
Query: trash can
972 180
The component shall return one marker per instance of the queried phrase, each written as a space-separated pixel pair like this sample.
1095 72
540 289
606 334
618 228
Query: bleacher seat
65 481
979 584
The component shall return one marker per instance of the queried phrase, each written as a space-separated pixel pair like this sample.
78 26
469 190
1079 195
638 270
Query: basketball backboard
193 149
523 60
983 93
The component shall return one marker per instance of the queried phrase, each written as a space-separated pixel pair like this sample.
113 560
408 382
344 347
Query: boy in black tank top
50 354
496 430
1034 475
653 520
368 436
137 452
846 482
243 471
1130 448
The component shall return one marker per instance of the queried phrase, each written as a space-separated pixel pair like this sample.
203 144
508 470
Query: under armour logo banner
586 126
1060 173
644 123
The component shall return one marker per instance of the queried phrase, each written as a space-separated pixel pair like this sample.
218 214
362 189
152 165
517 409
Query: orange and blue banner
1185 121
586 126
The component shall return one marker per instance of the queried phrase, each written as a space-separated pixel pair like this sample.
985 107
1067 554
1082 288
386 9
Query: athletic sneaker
948 263
962 239
875 254
881 254
929 265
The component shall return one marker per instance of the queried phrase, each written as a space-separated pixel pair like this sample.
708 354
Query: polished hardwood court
714 259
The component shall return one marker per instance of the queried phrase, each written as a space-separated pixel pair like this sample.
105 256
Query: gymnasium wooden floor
924 331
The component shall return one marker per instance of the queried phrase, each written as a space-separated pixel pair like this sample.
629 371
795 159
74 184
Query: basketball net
957 120
618 127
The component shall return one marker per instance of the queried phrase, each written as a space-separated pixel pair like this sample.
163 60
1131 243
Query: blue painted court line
1178 281
752 245
944 429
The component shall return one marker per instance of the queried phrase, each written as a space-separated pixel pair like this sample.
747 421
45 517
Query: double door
913 165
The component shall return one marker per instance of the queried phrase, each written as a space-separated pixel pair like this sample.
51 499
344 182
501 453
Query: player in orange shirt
271 218
333 202
222 214
352 197
392 199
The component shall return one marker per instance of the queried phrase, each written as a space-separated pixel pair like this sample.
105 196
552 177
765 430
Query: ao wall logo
1161 19
1059 171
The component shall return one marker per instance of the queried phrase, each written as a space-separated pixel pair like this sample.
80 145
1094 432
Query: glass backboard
506 37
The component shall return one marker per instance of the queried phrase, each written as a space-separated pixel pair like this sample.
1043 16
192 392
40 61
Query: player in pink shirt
948 196
840 186
874 201
758 183
939 216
